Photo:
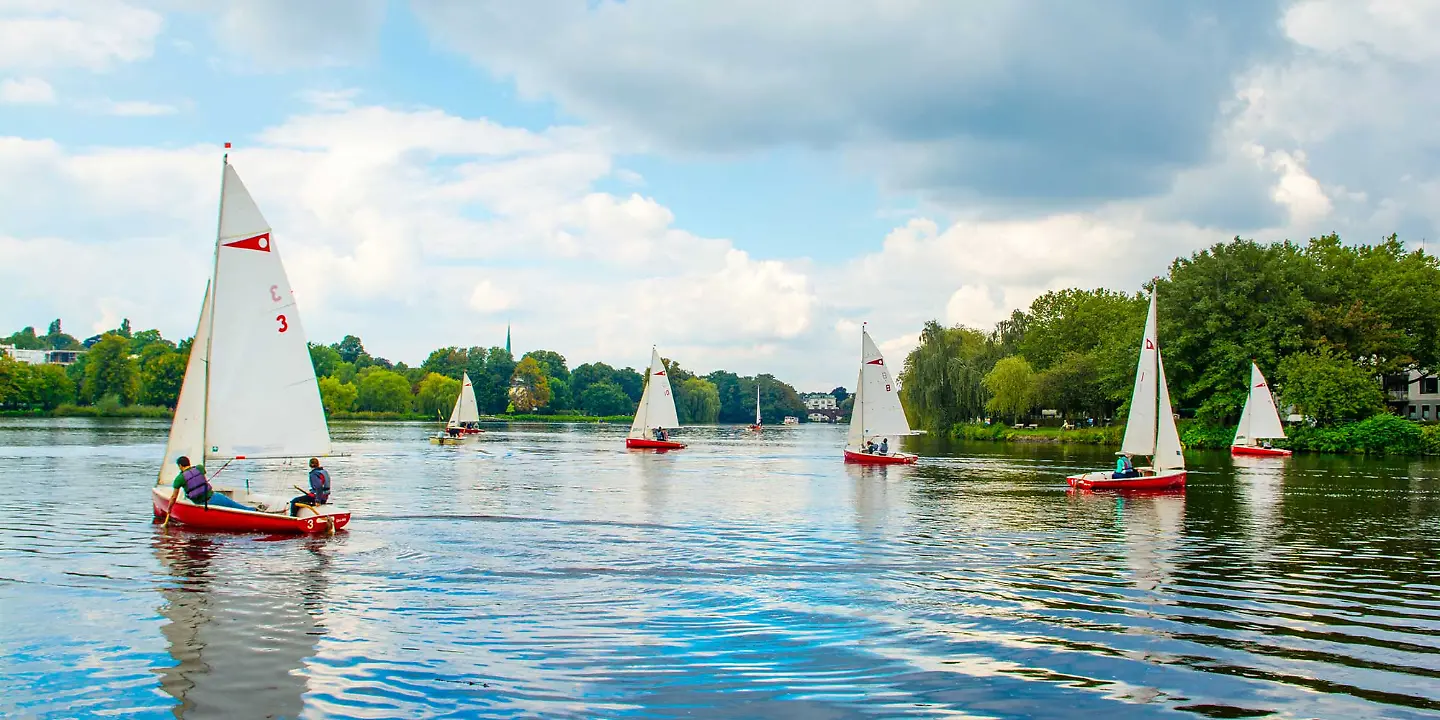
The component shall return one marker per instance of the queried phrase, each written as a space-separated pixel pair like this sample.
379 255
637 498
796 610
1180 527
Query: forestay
187 429
262 400
877 411
657 405
1259 420
466 409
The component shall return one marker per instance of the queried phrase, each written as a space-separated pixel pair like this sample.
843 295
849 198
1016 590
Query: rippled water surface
548 572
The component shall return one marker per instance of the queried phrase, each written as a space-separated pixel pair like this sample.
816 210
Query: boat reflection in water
241 623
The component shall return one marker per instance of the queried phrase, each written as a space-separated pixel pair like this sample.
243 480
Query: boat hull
644 444
1148 480
868 459
222 519
448 440
1259 451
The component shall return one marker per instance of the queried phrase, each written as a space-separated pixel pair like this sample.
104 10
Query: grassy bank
1378 435
96 411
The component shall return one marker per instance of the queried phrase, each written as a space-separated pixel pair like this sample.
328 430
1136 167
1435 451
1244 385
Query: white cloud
90 34
26 91
488 299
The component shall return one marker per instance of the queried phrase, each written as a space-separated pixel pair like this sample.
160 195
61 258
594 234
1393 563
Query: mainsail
1150 429
877 411
757 401
1259 420
466 409
249 389
657 405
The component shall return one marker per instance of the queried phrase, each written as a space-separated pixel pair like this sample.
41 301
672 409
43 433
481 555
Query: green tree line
1331 325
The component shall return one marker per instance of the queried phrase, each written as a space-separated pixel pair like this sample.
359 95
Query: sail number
283 324
275 293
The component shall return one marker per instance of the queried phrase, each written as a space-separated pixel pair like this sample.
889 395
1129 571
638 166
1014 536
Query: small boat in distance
249 391
466 415
1150 430
655 416
1258 421
790 420
877 414
756 427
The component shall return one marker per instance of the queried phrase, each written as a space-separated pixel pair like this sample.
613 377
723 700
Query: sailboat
1258 421
1150 430
656 412
756 427
464 418
877 414
249 391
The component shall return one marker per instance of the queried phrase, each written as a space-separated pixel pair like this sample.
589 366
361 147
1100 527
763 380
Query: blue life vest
320 485
197 488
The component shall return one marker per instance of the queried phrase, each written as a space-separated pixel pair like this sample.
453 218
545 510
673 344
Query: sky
741 184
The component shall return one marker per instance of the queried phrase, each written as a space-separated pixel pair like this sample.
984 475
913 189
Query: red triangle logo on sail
260 242
660 372
1149 344
876 361
1260 384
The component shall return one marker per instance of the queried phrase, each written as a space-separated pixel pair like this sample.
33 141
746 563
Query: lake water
554 574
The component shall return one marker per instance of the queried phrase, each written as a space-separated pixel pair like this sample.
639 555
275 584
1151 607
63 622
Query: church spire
507 340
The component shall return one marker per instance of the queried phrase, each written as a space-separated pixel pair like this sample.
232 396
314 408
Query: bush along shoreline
1377 435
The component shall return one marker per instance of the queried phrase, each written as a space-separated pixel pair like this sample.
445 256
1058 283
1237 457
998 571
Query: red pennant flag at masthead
260 242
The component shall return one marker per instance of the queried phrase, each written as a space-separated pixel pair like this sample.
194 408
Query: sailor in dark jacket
319 488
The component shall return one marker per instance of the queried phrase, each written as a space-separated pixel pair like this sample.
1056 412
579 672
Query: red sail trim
260 242
876 361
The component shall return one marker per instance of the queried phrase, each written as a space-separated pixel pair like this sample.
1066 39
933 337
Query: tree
603 399
492 381
337 396
839 394
553 362
50 387
145 338
56 339
1011 387
1074 386
162 372
1073 320
560 396
382 390
25 340
351 350
15 381
735 403
589 374
632 382
325 359
942 382
436 395
698 402
1329 387
110 371
449 361
529 387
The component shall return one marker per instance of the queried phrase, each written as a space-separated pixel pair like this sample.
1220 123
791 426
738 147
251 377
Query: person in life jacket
197 487
319 488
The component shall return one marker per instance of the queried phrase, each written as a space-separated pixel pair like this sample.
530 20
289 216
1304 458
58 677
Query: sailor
197 488
884 446
1124 468
319 488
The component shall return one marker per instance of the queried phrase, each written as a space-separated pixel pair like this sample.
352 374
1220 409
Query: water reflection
241 624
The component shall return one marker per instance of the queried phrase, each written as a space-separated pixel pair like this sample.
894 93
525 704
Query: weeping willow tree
943 380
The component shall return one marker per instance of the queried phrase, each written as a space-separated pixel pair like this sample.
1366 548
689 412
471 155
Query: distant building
820 401
42 357
1415 397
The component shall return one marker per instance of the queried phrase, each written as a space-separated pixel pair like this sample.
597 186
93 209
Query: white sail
1168 453
757 401
657 404
187 429
263 400
1259 420
877 400
1140 427
466 409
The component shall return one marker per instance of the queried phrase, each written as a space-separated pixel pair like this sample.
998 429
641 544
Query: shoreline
1358 438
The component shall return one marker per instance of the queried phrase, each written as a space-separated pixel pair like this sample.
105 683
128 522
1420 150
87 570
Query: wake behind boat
249 391
877 414
1259 421
1150 430
656 415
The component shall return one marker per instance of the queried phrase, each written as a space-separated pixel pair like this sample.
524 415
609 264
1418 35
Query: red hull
1259 451
229 520
1102 481
868 459
643 444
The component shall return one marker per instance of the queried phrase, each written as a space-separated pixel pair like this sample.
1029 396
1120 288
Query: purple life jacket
320 485
197 488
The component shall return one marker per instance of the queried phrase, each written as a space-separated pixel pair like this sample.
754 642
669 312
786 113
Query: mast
209 337
859 406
